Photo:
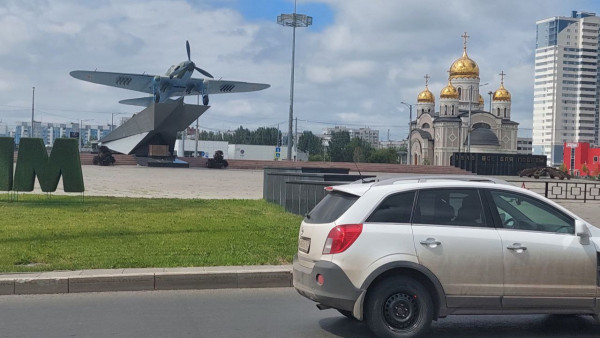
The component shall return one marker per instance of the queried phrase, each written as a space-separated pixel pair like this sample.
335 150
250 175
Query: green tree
337 147
360 149
310 143
386 155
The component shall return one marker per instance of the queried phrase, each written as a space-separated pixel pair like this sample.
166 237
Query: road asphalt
124 181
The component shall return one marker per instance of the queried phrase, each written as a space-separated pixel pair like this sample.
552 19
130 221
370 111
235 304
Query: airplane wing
137 82
223 86
208 86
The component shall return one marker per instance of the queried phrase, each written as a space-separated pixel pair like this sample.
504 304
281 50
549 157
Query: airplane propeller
192 65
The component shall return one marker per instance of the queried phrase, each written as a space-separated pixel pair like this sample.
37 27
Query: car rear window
331 207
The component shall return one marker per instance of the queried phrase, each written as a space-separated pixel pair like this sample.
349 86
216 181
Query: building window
460 93
452 109
498 112
595 159
504 112
446 110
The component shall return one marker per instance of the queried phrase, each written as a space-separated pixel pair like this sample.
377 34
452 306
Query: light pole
32 111
197 131
490 93
469 126
293 20
81 133
112 120
408 157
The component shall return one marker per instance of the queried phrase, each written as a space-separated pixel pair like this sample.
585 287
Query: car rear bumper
337 291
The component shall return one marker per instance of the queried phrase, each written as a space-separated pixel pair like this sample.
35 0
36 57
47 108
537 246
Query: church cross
426 79
465 36
502 73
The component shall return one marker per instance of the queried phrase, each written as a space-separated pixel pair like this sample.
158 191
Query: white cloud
356 70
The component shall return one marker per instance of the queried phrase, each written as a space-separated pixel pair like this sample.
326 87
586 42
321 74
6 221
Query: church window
446 110
481 125
425 125
452 109
504 112
460 93
429 110
498 112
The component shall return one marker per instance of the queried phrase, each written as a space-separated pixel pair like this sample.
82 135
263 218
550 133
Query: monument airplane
177 81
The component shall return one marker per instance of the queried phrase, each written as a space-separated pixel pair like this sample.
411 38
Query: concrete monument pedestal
157 125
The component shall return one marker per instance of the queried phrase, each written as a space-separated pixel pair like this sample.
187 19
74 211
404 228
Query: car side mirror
582 231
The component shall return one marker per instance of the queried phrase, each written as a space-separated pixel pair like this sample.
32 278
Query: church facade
459 122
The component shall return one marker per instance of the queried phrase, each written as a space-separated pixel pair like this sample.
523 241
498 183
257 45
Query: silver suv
403 252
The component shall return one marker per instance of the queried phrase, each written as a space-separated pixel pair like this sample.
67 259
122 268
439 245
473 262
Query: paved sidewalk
260 276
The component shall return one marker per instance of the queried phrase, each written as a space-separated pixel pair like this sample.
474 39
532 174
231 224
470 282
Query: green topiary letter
7 153
33 160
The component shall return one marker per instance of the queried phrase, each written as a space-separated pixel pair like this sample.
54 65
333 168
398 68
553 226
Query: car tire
399 307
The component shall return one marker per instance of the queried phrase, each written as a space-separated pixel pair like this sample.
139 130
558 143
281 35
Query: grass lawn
63 233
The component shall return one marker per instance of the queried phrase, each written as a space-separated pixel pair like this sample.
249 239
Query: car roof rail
429 178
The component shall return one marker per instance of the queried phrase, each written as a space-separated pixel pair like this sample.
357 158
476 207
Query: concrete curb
229 277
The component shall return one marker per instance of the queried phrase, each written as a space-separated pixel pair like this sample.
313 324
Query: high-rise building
565 104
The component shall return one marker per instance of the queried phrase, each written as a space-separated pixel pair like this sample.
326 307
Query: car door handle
431 242
517 247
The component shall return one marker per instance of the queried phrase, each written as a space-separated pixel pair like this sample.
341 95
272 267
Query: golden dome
480 99
501 94
426 96
464 67
449 92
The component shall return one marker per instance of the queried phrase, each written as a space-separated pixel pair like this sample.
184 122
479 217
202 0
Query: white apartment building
366 134
565 104
524 145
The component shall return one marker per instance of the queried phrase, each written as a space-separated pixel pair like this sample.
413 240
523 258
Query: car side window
522 212
396 208
460 207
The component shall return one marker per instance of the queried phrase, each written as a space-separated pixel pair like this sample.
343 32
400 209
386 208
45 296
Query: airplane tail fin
141 101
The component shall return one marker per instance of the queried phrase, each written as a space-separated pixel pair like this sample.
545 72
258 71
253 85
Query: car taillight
341 237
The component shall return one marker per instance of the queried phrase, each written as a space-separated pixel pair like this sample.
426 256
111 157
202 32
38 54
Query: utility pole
32 112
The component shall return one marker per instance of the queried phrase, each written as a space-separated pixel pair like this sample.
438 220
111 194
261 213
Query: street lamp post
293 20
112 120
490 93
32 112
408 157
469 126
81 133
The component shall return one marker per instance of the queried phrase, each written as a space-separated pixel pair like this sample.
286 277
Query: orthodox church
435 136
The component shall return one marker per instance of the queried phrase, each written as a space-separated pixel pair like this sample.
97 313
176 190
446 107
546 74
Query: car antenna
359 173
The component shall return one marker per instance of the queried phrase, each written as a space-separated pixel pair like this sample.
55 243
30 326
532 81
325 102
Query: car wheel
399 307
347 314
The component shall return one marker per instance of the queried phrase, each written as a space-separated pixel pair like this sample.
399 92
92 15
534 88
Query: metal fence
300 189
562 190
